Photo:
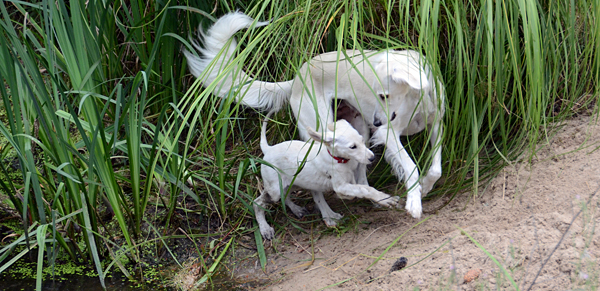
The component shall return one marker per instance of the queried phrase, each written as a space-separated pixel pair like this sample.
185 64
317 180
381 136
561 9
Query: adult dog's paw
428 181
413 203
427 185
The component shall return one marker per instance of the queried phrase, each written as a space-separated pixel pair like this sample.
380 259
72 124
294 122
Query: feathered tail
213 56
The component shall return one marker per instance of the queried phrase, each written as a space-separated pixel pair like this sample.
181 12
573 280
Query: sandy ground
519 219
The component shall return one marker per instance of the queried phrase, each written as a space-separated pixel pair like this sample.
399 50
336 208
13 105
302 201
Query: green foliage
102 115
79 79
510 68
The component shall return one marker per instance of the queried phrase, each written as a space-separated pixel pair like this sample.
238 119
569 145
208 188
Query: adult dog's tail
214 58
264 144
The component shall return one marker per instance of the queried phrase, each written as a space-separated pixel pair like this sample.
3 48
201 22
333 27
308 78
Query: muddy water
71 283
116 283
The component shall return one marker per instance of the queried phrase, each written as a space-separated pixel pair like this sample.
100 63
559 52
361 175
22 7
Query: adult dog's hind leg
310 108
435 171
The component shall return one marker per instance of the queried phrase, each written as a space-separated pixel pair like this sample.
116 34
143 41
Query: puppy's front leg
364 191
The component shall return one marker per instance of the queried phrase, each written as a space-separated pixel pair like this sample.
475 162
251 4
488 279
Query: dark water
115 283
74 283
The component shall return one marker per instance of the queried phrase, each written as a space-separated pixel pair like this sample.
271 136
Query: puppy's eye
353 146
393 116
383 96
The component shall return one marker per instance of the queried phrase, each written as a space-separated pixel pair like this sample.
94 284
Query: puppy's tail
264 144
213 62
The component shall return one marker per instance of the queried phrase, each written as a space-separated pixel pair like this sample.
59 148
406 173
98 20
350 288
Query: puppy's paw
391 201
301 212
337 216
267 232
333 219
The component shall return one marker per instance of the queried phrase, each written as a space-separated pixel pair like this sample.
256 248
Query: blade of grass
212 268
502 269
260 248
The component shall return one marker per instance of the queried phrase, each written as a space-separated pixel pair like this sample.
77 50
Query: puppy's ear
326 138
331 126
314 135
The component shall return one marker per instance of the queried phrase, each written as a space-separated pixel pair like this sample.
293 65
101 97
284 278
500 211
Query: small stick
561 239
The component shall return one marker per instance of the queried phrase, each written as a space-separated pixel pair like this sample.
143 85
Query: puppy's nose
372 158
376 121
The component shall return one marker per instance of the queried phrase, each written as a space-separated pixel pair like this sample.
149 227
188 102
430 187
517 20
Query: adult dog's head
402 83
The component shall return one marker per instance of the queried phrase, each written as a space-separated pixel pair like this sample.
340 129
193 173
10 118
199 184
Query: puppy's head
342 140
400 86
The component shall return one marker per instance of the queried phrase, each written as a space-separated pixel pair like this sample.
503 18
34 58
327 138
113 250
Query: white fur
319 173
394 91
217 54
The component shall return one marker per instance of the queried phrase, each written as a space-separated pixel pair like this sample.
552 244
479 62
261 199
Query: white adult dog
328 165
394 92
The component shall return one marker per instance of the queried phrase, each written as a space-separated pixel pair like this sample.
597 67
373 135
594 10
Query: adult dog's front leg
435 171
405 169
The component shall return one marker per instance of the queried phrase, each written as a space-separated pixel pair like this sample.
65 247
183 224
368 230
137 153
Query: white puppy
395 93
324 166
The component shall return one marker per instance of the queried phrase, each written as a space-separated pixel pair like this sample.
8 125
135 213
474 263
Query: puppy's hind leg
299 211
329 216
259 211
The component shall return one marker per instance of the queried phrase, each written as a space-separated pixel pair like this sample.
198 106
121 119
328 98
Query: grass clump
117 146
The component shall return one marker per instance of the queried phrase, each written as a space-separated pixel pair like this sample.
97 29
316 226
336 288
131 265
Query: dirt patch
519 219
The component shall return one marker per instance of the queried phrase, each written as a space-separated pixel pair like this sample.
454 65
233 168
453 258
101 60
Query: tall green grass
510 68
80 80
103 117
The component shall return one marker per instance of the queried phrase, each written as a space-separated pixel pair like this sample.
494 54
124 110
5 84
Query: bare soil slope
520 218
